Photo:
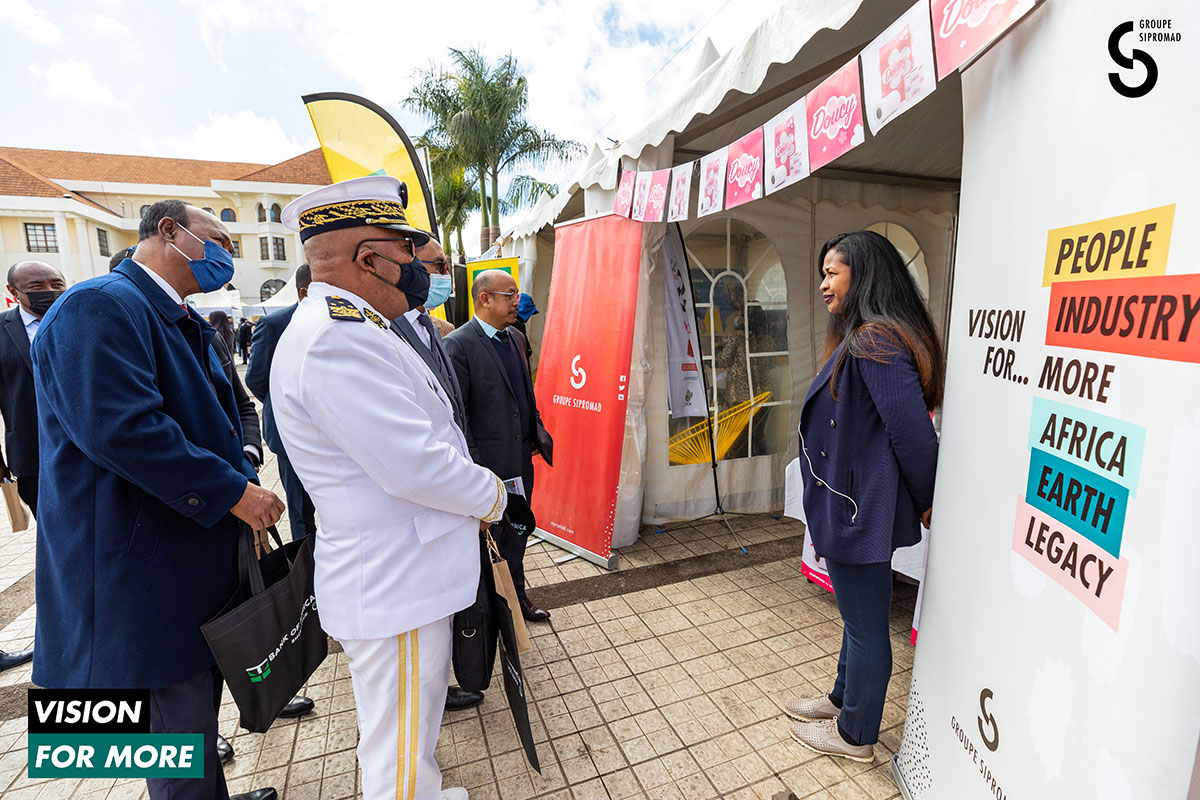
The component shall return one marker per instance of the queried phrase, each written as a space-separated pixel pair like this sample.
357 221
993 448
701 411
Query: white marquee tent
904 182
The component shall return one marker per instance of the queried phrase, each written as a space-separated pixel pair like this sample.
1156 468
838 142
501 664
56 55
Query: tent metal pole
719 511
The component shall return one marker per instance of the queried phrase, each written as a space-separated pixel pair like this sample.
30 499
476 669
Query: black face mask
40 302
413 281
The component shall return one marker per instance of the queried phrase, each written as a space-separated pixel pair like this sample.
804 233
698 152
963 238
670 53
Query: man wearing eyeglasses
506 431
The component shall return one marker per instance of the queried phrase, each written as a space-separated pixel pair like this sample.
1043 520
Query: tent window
269 289
741 297
910 251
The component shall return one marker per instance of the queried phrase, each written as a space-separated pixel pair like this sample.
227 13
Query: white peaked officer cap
377 200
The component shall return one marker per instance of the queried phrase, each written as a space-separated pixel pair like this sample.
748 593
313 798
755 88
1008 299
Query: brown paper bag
505 587
18 514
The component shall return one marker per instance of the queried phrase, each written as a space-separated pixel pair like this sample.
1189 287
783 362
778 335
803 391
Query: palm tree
478 110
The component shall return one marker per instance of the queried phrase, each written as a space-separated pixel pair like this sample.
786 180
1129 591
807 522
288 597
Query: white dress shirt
31 323
162 283
413 315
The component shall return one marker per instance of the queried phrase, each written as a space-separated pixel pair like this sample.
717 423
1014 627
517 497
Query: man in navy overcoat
143 480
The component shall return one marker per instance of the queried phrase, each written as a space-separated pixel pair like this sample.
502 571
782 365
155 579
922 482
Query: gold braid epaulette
498 507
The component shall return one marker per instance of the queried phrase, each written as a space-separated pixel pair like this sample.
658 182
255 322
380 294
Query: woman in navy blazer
868 453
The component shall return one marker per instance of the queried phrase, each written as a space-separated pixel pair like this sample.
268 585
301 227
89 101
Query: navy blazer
18 403
258 371
142 459
876 444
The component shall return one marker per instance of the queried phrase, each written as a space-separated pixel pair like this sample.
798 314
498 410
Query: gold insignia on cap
341 308
366 212
378 320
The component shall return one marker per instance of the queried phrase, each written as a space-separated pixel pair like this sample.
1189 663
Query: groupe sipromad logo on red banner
103 733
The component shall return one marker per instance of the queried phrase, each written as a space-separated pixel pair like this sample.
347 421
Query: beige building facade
75 210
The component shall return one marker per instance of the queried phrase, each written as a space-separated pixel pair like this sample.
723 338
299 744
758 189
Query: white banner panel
786 152
685 385
1059 654
712 182
681 191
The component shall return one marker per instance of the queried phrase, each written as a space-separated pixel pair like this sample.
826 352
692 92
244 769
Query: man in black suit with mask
506 430
35 285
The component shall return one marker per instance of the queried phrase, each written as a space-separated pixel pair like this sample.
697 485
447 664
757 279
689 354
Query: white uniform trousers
400 693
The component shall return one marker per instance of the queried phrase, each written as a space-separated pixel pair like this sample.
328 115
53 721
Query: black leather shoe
15 659
258 794
532 613
224 749
297 708
457 699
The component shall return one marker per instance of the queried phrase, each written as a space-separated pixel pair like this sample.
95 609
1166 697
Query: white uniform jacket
371 434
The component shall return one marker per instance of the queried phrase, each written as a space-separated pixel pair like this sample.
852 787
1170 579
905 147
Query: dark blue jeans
300 509
864 598
190 706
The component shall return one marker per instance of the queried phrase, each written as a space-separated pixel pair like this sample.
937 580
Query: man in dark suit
301 511
424 333
35 285
506 429
244 332
144 481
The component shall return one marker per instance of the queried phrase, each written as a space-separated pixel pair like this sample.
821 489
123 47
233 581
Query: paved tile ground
669 693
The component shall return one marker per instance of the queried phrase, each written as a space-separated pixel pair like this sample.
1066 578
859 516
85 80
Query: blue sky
222 79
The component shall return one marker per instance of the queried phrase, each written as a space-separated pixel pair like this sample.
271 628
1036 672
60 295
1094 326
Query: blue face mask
440 287
215 269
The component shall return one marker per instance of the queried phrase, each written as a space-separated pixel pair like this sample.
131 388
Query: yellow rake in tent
691 446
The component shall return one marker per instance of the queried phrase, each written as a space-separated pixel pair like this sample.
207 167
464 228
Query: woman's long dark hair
882 312
220 321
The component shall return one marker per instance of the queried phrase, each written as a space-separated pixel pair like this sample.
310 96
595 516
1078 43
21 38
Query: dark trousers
864 598
301 512
509 542
190 706
27 486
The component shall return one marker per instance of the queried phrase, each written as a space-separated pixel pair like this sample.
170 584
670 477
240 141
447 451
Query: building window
264 248
209 210
228 215
276 212
142 211
41 238
279 251
270 288
102 239
237 248
262 213
741 299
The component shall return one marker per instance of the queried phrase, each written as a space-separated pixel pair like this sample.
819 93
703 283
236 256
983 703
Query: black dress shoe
224 749
297 708
15 659
457 699
532 613
258 794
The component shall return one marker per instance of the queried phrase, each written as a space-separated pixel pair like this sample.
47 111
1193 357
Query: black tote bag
268 640
474 649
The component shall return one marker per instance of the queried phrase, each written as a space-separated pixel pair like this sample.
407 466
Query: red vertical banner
583 378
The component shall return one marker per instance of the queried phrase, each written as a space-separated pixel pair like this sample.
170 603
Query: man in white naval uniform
371 434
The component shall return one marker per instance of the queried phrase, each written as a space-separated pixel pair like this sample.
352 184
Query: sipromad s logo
578 375
1127 62
261 672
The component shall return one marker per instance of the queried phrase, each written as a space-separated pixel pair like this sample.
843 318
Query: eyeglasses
509 295
440 266
408 245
